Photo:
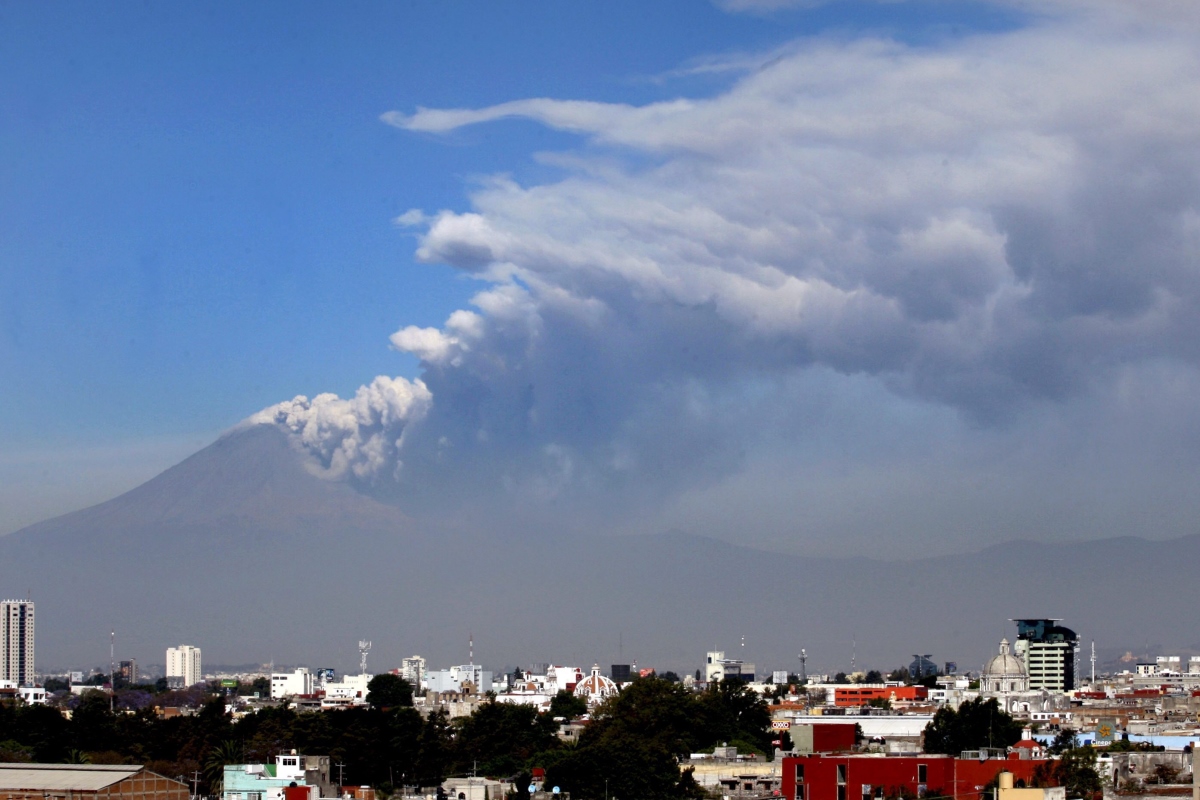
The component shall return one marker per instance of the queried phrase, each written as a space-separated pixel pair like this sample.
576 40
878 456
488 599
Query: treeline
629 748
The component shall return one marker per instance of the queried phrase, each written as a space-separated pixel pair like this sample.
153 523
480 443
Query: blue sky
197 201
879 240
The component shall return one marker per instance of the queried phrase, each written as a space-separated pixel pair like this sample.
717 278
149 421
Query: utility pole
341 775
195 783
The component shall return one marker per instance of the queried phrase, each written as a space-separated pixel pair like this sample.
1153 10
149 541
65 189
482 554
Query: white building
183 664
351 691
1168 664
452 680
717 667
290 684
16 641
412 669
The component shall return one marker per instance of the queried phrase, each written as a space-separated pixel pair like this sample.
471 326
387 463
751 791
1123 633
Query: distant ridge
240 550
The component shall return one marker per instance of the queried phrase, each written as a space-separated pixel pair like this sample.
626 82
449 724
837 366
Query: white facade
184 662
452 680
290 684
16 641
351 691
717 667
32 695
412 669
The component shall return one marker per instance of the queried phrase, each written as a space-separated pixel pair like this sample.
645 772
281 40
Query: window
841 773
922 773
799 773
878 793
799 791
866 791
841 793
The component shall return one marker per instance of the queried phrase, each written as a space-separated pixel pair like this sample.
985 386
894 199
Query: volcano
244 551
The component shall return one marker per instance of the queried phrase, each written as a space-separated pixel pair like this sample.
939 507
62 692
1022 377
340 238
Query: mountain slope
241 550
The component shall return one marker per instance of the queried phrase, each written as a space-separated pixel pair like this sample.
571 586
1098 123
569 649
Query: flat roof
64 777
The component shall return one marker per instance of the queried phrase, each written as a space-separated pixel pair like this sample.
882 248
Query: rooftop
64 777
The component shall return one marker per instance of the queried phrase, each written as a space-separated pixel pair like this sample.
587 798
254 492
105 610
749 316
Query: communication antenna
853 654
364 647
1093 661
471 648
112 682
803 671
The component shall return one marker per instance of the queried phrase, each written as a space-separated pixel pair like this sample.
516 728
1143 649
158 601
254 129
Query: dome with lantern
1004 673
596 687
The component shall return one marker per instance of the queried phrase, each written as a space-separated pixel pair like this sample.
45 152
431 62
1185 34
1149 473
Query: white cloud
996 225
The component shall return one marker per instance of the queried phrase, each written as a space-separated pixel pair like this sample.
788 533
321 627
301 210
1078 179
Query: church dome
1004 664
1004 673
596 687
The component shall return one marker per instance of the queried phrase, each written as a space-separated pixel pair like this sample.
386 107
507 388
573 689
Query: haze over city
829 295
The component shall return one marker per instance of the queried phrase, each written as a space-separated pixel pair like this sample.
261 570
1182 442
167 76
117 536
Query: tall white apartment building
16 641
412 669
183 664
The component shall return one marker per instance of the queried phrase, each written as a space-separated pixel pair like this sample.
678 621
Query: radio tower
364 647
803 671
1093 662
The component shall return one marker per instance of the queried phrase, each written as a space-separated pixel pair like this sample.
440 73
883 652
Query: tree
1165 773
567 704
670 677
976 724
840 678
389 691
500 738
1063 740
1075 770
874 676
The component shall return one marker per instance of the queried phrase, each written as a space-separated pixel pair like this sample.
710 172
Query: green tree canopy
389 691
567 704
977 723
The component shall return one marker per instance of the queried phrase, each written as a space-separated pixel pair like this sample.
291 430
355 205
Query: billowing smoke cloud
360 437
995 226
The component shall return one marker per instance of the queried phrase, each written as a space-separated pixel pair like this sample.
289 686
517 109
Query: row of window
922 774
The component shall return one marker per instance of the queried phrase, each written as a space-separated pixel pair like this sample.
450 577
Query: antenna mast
1093 661
112 681
364 647
803 670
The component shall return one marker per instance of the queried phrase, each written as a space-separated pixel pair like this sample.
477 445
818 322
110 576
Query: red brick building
875 777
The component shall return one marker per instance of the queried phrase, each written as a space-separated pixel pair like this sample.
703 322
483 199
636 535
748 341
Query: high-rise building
412 669
16 641
183 665
1048 653
129 671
